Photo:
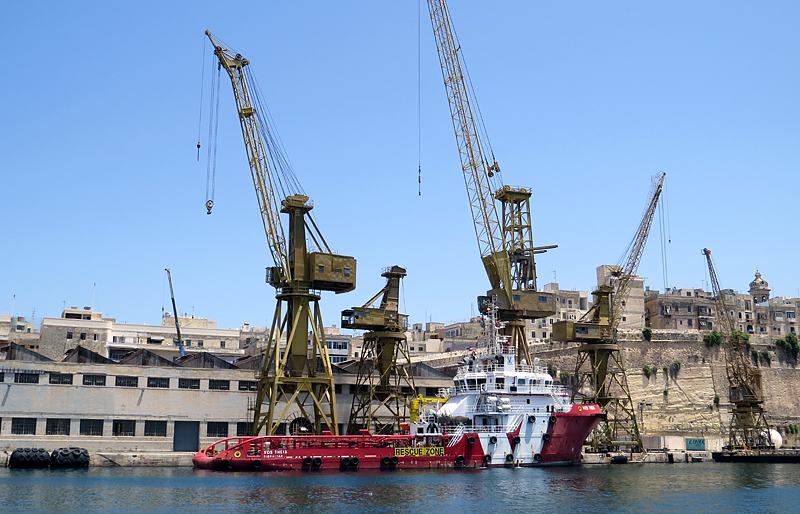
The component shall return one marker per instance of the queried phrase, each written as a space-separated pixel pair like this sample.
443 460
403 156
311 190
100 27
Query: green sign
695 443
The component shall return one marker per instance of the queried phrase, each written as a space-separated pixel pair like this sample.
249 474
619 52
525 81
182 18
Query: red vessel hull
471 449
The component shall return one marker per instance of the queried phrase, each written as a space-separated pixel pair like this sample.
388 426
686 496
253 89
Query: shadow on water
633 488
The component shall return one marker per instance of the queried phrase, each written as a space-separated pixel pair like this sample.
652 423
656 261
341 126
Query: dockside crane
181 347
298 374
505 242
600 368
749 428
384 387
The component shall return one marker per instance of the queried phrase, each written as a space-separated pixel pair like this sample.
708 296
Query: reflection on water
633 488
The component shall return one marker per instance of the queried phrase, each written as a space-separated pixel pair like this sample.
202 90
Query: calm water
685 488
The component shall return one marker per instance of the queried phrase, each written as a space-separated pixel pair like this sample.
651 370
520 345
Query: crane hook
209 205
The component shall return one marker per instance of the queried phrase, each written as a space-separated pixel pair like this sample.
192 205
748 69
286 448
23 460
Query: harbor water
630 488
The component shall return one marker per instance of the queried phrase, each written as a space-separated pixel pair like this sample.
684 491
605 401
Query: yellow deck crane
749 428
506 247
384 384
295 380
600 368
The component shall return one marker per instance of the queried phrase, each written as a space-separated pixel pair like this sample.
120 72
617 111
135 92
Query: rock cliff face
688 407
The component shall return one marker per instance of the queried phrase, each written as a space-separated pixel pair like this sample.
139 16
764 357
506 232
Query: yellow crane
384 384
600 367
505 241
749 428
297 379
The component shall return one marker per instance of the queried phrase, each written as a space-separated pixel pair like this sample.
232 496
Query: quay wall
688 408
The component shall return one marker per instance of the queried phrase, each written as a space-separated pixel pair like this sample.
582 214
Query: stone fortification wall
688 408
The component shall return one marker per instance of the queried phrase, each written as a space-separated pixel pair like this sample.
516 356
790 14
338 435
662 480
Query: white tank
775 438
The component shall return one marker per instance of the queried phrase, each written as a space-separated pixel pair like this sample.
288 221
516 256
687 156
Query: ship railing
520 409
481 429
495 368
457 433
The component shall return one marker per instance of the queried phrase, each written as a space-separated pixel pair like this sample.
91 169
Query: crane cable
213 132
419 98
665 235
202 85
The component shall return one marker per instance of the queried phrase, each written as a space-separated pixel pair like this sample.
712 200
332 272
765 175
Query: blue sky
583 102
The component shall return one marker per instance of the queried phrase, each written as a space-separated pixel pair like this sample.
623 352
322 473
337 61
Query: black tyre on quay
69 458
29 458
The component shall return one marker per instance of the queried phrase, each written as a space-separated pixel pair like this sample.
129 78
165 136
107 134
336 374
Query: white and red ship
499 413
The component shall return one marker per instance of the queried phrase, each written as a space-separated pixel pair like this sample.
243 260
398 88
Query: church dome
759 283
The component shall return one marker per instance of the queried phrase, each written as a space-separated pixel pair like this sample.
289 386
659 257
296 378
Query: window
92 427
347 272
422 348
219 385
97 337
516 297
57 427
200 344
94 380
431 391
337 388
242 428
155 429
322 269
188 342
740 315
222 344
61 378
23 426
246 385
689 322
117 356
790 314
123 428
125 381
160 382
83 336
69 335
26 378
217 429
188 383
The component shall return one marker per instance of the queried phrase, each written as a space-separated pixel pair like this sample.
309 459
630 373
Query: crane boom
505 243
234 65
636 250
478 173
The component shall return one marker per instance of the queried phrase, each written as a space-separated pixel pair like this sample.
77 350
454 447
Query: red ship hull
471 449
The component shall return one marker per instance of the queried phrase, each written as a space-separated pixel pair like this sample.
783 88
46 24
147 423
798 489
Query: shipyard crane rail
749 427
505 244
290 378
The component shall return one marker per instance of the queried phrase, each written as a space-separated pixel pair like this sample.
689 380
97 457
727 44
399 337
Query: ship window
472 384
501 383
521 381
481 383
